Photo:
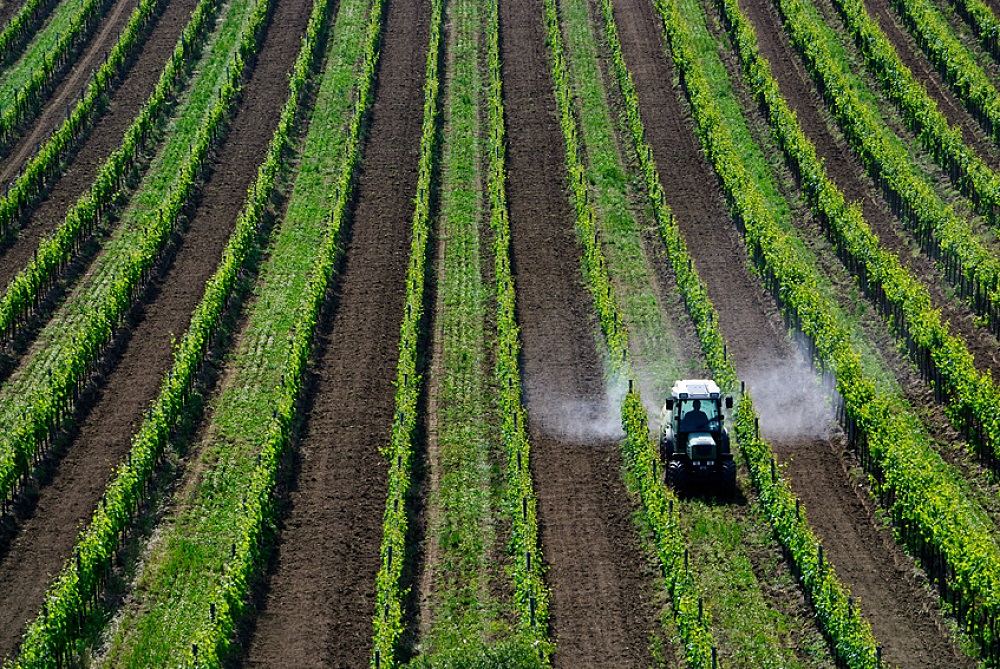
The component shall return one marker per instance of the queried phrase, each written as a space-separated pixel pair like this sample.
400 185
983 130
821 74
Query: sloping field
337 332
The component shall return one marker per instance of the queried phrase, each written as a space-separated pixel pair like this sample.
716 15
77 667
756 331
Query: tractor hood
701 446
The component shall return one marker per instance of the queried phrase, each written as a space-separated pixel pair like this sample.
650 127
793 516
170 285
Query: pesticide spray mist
585 420
790 400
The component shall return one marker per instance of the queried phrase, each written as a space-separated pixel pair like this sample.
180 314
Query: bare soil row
319 599
862 551
46 529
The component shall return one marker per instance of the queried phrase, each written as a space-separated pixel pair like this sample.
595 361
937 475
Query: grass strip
194 586
54 636
951 535
950 240
745 625
39 397
42 168
389 590
121 169
658 502
463 612
25 85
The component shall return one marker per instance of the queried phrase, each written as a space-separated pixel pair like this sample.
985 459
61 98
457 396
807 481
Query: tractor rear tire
728 478
677 476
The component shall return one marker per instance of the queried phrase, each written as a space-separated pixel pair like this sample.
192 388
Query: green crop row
975 179
950 240
849 633
466 496
217 539
952 536
259 512
25 86
50 638
388 622
955 62
594 264
984 22
21 27
41 168
531 596
23 294
973 398
639 454
43 394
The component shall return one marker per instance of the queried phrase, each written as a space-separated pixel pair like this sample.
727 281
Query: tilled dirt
320 596
846 171
104 137
44 536
601 610
875 569
67 92
928 76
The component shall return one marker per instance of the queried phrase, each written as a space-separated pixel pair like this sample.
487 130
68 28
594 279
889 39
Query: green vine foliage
949 532
210 646
42 168
388 622
963 258
530 593
973 399
45 67
849 633
966 169
49 400
50 637
639 454
95 205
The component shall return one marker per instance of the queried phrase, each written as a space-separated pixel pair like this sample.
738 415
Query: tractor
694 443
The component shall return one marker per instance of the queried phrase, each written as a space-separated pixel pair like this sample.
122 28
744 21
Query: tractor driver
695 419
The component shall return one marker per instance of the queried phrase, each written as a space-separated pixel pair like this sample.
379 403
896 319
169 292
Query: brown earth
601 609
930 78
43 536
864 555
320 597
104 138
67 92
847 172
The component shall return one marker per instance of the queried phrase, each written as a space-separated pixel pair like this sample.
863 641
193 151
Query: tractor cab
694 443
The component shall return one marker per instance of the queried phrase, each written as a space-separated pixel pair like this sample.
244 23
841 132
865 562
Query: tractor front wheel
677 476
729 478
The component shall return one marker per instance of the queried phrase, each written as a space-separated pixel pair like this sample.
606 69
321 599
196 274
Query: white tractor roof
695 389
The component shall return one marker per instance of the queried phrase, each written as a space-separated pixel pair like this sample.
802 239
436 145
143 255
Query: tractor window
698 417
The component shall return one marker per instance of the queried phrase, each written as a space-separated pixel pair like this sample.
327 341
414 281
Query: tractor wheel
729 478
677 476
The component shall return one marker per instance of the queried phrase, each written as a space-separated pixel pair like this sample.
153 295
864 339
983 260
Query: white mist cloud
791 402
584 420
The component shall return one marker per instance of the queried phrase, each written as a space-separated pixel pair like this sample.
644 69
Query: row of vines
50 638
50 386
924 499
658 502
849 633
